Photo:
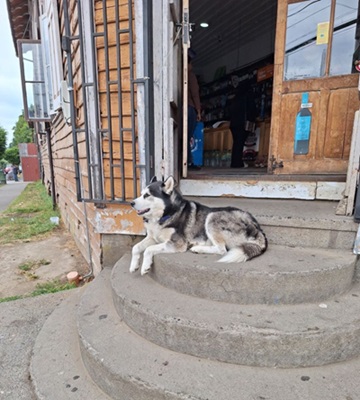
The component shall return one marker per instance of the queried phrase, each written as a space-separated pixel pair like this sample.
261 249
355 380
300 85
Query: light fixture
204 24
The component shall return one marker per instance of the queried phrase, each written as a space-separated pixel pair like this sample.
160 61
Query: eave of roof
19 18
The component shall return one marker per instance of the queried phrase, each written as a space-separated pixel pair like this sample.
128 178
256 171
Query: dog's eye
146 195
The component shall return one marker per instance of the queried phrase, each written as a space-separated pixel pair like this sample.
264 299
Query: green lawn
28 216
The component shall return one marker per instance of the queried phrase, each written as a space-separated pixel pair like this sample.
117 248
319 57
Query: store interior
234 43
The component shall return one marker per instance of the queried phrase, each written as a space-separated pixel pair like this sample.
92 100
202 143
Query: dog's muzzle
139 212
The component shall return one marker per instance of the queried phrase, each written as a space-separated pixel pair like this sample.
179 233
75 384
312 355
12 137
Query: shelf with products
217 95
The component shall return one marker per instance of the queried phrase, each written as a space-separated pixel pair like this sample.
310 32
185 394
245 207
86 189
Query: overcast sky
11 103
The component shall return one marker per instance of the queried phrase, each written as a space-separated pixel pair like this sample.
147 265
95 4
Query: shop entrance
304 107
233 44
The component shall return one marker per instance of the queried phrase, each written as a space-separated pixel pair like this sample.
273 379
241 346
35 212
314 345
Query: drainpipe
51 165
91 267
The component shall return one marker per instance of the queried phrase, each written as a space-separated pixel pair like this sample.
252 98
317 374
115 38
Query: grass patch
51 287
11 298
28 216
33 264
30 266
43 288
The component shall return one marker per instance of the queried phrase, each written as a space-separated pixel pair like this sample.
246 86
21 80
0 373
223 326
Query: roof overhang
19 18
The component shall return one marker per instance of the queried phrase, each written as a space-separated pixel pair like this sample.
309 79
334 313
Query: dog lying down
174 225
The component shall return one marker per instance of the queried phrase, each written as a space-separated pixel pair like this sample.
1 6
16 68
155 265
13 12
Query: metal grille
109 170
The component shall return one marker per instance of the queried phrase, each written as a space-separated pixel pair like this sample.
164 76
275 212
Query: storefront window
309 35
344 38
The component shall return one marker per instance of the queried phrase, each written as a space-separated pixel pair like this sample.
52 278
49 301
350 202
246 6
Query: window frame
24 81
329 44
51 43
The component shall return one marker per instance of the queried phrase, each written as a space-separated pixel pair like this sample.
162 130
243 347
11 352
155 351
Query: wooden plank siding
113 218
110 113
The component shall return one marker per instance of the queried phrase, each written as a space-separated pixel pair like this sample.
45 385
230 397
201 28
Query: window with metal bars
102 85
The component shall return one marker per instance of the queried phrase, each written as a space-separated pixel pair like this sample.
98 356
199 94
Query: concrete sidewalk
21 322
10 192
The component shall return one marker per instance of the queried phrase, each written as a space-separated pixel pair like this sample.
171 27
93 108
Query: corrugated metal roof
19 17
233 23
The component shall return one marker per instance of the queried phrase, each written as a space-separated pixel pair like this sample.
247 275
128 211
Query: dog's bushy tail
245 252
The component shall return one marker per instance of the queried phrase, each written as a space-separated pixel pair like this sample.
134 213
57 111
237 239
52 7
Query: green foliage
12 155
22 132
3 163
52 287
3 135
33 264
43 288
28 216
11 298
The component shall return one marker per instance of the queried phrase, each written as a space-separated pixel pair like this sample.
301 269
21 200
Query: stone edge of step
275 336
128 366
312 275
56 367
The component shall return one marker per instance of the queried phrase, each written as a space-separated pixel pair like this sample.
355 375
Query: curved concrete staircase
285 325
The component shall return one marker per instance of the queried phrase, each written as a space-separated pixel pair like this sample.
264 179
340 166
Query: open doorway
234 43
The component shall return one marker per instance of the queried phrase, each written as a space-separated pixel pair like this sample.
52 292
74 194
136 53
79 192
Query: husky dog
174 224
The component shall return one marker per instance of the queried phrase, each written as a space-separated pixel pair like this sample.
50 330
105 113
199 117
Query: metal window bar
94 164
93 139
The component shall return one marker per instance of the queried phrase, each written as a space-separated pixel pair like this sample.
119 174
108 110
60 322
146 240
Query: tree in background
3 135
12 155
22 132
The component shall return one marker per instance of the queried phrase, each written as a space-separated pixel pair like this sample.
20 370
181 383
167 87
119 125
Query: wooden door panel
353 106
340 117
331 129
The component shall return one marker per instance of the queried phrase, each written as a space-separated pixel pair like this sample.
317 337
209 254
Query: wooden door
167 85
332 95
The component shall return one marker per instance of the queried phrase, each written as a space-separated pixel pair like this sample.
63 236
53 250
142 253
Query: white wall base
263 189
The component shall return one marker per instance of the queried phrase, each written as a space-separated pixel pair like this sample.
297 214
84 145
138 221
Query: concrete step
282 275
56 368
259 335
296 223
128 367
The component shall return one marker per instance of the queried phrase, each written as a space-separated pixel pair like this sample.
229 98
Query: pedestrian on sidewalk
15 170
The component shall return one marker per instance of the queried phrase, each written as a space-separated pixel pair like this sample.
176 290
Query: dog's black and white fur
174 224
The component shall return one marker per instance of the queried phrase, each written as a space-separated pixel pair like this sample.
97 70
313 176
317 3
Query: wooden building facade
111 74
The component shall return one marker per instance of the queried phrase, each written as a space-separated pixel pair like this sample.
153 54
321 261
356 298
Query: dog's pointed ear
153 179
169 185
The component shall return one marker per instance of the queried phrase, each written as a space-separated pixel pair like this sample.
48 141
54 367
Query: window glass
51 46
47 63
306 39
344 39
33 79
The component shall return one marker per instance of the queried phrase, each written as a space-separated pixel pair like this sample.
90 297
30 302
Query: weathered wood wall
72 211
119 112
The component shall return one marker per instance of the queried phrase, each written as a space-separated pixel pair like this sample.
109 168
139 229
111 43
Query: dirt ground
50 258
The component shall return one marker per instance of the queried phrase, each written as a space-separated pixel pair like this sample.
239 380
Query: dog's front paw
144 271
134 266
196 249
145 268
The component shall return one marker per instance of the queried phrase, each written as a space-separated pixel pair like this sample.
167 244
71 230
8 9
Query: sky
11 103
